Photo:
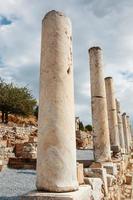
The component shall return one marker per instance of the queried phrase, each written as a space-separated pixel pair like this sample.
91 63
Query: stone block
94 172
80 174
128 179
104 178
84 193
22 163
96 165
98 173
18 149
111 180
97 187
111 168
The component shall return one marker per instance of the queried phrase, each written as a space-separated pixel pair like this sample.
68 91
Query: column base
84 193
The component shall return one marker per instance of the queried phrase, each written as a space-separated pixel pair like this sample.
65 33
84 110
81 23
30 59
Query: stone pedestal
99 106
56 154
84 193
120 127
112 114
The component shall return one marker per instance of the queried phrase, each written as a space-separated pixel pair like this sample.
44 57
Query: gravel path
14 183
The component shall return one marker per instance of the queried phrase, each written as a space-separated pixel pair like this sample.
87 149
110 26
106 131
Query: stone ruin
18 147
109 173
84 139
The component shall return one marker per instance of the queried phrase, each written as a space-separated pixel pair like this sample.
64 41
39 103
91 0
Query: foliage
88 127
81 126
15 100
36 112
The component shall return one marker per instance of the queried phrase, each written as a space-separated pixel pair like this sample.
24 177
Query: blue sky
4 21
107 24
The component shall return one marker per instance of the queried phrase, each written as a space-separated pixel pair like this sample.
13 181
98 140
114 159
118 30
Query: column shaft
126 131
99 106
56 156
120 126
129 130
112 114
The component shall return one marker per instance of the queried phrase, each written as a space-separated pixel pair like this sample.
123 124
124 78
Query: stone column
129 130
112 114
126 131
56 155
99 106
120 126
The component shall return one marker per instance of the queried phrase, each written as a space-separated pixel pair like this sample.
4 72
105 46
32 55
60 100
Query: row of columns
56 154
112 131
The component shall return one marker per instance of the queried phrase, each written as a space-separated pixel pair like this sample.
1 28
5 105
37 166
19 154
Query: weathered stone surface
111 180
22 163
97 187
84 193
80 173
129 130
111 168
126 132
97 173
120 127
29 150
56 156
99 106
129 179
96 165
112 113
19 149
77 122
84 140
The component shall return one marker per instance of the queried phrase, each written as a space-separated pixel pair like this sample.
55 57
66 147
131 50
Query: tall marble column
99 106
112 114
129 130
126 132
120 126
56 155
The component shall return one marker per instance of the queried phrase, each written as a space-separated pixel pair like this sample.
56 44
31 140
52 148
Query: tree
15 100
36 112
81 126
88 127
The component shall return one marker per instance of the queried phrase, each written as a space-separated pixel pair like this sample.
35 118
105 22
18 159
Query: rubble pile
116 177
17 142
84 140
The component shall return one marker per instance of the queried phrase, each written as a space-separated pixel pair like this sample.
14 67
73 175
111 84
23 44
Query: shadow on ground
10 198
24 172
